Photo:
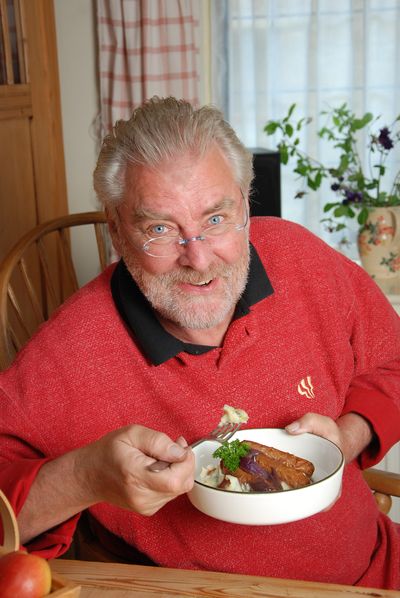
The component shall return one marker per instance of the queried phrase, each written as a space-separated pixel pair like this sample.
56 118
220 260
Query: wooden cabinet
32 170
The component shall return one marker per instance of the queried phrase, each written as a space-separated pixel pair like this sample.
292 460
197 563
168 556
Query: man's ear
111 215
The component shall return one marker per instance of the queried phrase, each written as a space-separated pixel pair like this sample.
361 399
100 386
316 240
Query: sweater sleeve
374 392
16 480
22 454
384 416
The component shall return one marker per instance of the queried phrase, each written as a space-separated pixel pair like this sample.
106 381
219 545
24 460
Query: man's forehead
180 166
201 188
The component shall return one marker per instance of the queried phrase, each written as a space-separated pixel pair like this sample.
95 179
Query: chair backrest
38 274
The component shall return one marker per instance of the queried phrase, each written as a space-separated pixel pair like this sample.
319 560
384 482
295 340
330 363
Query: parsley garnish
230 453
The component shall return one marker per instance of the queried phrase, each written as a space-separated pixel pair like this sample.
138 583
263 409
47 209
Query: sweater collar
155 342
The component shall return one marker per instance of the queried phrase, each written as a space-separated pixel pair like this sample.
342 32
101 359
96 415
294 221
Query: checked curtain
146 48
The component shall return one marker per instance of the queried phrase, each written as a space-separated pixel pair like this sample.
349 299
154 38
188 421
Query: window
315 53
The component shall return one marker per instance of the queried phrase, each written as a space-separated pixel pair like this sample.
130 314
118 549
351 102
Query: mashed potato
233 416
213 476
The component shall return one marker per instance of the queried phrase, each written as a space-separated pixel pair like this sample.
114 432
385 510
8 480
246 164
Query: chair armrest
384 485
385 482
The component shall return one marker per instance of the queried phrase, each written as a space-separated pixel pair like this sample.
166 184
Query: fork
221 433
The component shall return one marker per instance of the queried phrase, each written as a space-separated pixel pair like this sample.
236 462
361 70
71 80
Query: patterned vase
379 243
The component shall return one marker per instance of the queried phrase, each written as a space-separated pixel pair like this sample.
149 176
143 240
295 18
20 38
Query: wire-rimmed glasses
171 244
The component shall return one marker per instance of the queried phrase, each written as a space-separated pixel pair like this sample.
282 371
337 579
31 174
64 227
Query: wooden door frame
48 149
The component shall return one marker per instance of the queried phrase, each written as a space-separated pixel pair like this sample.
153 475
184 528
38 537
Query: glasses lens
161 247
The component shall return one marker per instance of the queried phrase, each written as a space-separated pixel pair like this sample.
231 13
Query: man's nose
195 253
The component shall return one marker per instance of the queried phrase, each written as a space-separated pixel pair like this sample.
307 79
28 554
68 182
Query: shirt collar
155 342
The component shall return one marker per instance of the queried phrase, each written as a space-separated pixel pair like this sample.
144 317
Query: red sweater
82 376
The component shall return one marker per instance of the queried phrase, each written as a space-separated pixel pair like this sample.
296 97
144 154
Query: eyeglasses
170 245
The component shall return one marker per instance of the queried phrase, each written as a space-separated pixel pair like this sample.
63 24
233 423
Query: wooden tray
60 587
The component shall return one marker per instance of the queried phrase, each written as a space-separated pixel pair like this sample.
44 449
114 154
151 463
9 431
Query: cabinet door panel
18 204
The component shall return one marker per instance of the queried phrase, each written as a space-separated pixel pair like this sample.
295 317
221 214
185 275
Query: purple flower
384 138
352 197
358 197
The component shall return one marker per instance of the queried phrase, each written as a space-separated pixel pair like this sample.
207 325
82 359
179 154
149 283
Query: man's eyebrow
224 204
142 213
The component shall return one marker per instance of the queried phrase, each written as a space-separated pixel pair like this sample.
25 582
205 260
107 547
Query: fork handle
161 465
158 466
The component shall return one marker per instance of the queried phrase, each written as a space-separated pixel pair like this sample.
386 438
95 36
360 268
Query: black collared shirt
155 342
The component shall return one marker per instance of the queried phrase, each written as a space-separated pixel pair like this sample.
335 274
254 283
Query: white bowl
268 508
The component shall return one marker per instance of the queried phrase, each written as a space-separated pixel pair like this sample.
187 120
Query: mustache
192 277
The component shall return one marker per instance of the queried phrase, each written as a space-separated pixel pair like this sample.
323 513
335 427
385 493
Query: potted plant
358 192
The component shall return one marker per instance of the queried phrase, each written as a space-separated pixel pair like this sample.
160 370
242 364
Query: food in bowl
272 508
248 466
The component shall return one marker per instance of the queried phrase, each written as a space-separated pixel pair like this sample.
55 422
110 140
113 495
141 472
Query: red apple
24 575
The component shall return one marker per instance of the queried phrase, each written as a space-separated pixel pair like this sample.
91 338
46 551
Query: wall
76 42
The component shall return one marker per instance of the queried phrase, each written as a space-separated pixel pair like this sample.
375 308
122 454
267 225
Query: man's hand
351 432
113 469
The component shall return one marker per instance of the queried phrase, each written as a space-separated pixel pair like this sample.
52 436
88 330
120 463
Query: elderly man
201 306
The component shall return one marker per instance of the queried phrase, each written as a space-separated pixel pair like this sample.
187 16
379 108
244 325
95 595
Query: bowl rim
276 492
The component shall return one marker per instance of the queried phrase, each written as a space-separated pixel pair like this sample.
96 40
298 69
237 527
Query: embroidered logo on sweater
305 388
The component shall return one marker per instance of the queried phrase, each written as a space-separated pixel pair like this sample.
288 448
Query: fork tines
227 430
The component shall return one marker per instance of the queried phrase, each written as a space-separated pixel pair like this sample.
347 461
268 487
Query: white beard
191 311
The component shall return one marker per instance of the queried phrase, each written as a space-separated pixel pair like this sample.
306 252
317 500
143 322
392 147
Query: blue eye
158 229
217 219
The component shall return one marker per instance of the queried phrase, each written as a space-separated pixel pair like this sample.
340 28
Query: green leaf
291 110
311 183
271 127
381 169
318 179
330 206
230 453
344 211
362 216
288 130
284 153
360 123
372 185
344 163
301 170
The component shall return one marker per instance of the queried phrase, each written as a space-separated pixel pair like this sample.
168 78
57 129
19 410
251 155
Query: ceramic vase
379 243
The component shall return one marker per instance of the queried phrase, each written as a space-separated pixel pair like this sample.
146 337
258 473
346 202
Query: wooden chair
39 273
385 485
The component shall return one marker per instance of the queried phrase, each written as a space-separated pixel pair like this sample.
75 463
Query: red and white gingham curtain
146 48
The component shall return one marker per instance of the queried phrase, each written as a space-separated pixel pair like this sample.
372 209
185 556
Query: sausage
285 467
284 459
